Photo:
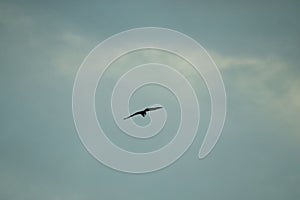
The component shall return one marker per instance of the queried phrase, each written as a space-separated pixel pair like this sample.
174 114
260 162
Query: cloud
269 83
14 17
62 47
74 48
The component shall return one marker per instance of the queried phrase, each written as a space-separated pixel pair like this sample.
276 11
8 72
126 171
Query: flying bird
143 112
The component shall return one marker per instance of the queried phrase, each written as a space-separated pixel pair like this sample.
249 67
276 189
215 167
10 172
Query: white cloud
13 17
61 47
71 52
269 83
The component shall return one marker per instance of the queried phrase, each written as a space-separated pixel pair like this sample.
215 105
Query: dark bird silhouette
143 112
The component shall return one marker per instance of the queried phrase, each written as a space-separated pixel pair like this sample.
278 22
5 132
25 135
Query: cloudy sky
256 46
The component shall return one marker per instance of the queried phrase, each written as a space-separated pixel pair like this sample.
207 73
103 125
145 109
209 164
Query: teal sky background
256 46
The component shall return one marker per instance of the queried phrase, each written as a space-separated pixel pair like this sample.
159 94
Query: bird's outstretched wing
153 108
143 113
137 113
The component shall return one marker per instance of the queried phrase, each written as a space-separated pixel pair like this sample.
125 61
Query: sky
256 46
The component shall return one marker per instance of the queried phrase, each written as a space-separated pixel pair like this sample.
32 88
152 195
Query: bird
143 112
